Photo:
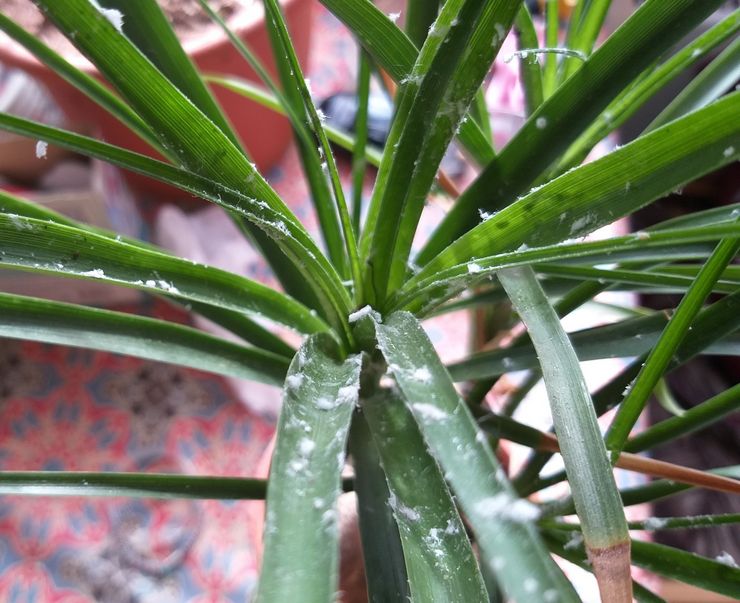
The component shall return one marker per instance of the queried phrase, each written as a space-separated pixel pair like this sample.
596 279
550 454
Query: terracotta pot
264 133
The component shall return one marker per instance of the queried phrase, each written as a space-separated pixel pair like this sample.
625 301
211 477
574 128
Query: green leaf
37 245
530 70
432 100
715 79
385 569
651 30
241 326
269 100
359 149
66 324
301 526
648 279
662 353
439 559
138 485
80 80
284 229
687 567
624 339
426 290
396 53
152 34
600 192
693 419
584 454
283 46
190 136
653 80
585 25
502 523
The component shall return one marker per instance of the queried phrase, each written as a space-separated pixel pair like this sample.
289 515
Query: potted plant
265 133
440 520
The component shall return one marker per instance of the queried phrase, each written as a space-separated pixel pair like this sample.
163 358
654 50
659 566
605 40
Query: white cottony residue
654 523
326 404
728 152
576 540
430 412
434 542
19 222
94 273
115 17
347 395
406 512
321 115
294 381
306 446
169 287
473 268
362 312
422 374
580 223
696 52
41 147
411 79
451 527
541 123
394 17
484 215
504 506
318 503
726 558
642 235
530 585
308 85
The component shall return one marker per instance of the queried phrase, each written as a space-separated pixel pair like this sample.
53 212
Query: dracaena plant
440 520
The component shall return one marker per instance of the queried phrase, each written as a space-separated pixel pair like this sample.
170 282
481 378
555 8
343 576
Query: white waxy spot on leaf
115 17
430 412
362 312
726 558
41 148
506 507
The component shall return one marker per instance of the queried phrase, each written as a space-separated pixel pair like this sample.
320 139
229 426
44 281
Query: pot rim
244 21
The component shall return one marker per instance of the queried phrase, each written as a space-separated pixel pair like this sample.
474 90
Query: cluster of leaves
427 480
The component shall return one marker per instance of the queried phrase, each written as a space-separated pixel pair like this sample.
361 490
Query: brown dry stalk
655 468
611 565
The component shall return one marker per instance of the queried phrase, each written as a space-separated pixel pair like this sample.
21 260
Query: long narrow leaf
650 31
600 192
584 454
661 355
501 522
432 101
439 559
138 485
37 245
385 569
284 229
300 560
54 322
